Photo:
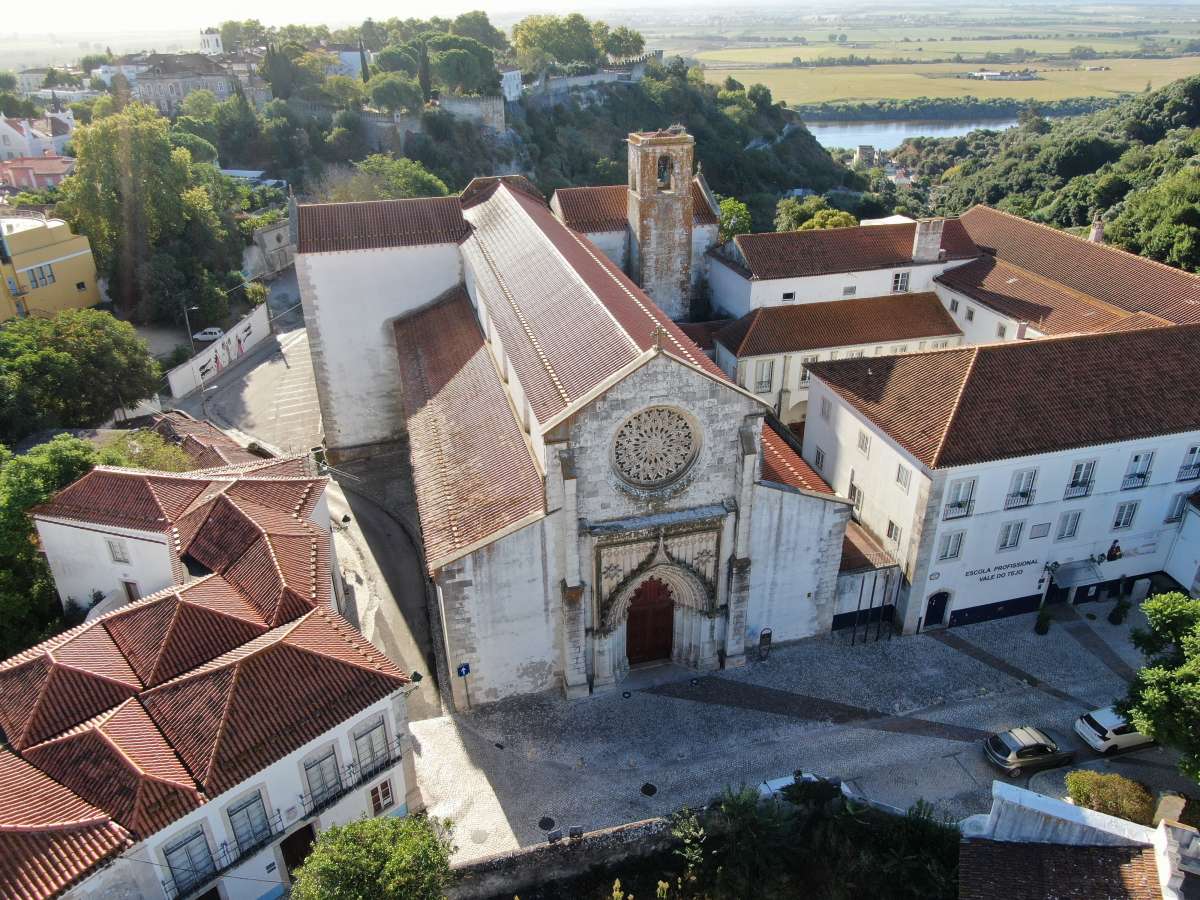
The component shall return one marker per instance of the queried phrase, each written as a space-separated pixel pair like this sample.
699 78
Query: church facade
594 493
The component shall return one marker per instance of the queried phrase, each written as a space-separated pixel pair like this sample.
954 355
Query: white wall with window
980 323
985 534
363 767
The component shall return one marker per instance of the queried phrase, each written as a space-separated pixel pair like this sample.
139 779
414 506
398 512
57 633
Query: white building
510 83
767 350
29 80
128 66
210 42
48 136
169 77
1005 474
348 60
776 268
593 492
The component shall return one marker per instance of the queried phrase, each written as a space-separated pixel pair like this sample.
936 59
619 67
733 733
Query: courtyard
899 719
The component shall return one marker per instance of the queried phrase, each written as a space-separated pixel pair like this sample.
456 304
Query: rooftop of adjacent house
606 208
1038 871
973 404
1099 271
181 64
703 333
41 165
838 323
782 464
800 254
204 443
862 552
331 227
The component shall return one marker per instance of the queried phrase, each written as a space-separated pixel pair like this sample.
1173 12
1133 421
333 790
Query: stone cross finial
659 334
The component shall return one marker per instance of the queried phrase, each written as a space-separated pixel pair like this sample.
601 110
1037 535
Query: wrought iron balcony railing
1017 499
959 509
185 882
1135 480
1078 489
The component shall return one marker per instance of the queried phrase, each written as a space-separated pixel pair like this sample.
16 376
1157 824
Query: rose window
654 446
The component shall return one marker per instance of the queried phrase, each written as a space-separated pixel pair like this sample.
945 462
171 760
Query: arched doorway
649 633
935 609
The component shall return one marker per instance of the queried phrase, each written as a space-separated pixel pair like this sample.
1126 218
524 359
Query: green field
905 82
915 50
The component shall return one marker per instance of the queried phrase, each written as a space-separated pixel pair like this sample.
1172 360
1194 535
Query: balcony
1189 473
762 387
1017 499
1078 489
959 509
352 776
1135 480
185 883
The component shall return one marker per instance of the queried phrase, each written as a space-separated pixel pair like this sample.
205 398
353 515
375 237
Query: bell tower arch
661 216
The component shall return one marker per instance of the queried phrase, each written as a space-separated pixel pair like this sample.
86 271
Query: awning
1080 572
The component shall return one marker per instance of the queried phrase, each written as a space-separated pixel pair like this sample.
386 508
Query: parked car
1106 731
1024 749
211 333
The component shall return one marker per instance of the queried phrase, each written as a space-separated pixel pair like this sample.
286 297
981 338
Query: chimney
927 240
1096 236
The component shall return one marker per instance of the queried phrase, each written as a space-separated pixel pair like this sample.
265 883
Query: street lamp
187 323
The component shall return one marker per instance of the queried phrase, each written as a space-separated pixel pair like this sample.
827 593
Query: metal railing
958 509
1188 473
352 776
1078 489
1135 480
184 883
1017 499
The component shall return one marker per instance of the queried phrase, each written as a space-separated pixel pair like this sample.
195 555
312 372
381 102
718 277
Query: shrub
1113 795
1043 621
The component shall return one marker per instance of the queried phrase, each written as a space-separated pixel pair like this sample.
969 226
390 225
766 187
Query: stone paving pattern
900 719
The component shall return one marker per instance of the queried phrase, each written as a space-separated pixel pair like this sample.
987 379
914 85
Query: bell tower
660 216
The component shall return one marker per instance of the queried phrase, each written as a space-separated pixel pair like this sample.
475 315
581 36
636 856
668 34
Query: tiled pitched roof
703 333
973 404
204 443
373 224
49 837
1031 871
1048 306
1122 279
41 165
242 711
783 465
860 550
473 471
797 254
838 323
606 208
129 498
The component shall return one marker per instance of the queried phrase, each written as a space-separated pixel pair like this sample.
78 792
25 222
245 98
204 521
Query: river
889 135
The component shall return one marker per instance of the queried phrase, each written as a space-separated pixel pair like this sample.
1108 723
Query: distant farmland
906 82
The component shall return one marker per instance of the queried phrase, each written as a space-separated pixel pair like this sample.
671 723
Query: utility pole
187 323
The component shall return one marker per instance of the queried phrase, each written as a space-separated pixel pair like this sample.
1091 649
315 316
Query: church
594 494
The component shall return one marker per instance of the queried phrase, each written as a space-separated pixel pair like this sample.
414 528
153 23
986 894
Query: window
789 295
826 408
950 546
893 532
117 550
819 458
1001 330
938 345
40 276
1175 510
900 348
833 354
249 823
804 362
1080 484
1125 514
1010 535
903 477
322 777
381 797
854 354
1020 489
371 746
899 282
960 498
953 306
1190 469
1137 473
81 286
1068 525
849 290
856 497
864 443
190 861
764 375
970 314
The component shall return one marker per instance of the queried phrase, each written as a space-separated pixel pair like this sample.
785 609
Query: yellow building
44 268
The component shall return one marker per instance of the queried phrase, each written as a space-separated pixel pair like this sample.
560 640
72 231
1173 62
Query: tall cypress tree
362 61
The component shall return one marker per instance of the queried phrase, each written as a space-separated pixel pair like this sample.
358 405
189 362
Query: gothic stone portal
650 628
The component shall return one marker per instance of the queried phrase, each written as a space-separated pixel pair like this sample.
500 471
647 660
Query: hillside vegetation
1136 164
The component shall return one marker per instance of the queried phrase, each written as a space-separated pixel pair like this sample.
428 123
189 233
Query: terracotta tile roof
129 498
204 443
838 323
1122 279
49 837
1048 306
473 470
242 711
41 165
606 208
1028 871
973 404
121 763
861 551
1136 322
798 254
481 189
330 227
703 333
782 464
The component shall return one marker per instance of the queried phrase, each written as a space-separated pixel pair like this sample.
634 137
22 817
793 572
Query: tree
484 77
760 96
829 218
396 59
200 104
1164 697
734 219
456 69
792 212
1161 222
237 128
565 39
70 371
394 91
8 82
389 858
197 147
623 42
344 91
144 449
91 62
378 177
477 25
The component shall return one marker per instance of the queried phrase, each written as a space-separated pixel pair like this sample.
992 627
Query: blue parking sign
464 669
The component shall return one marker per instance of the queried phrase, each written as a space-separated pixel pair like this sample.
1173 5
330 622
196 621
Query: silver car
1024 749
